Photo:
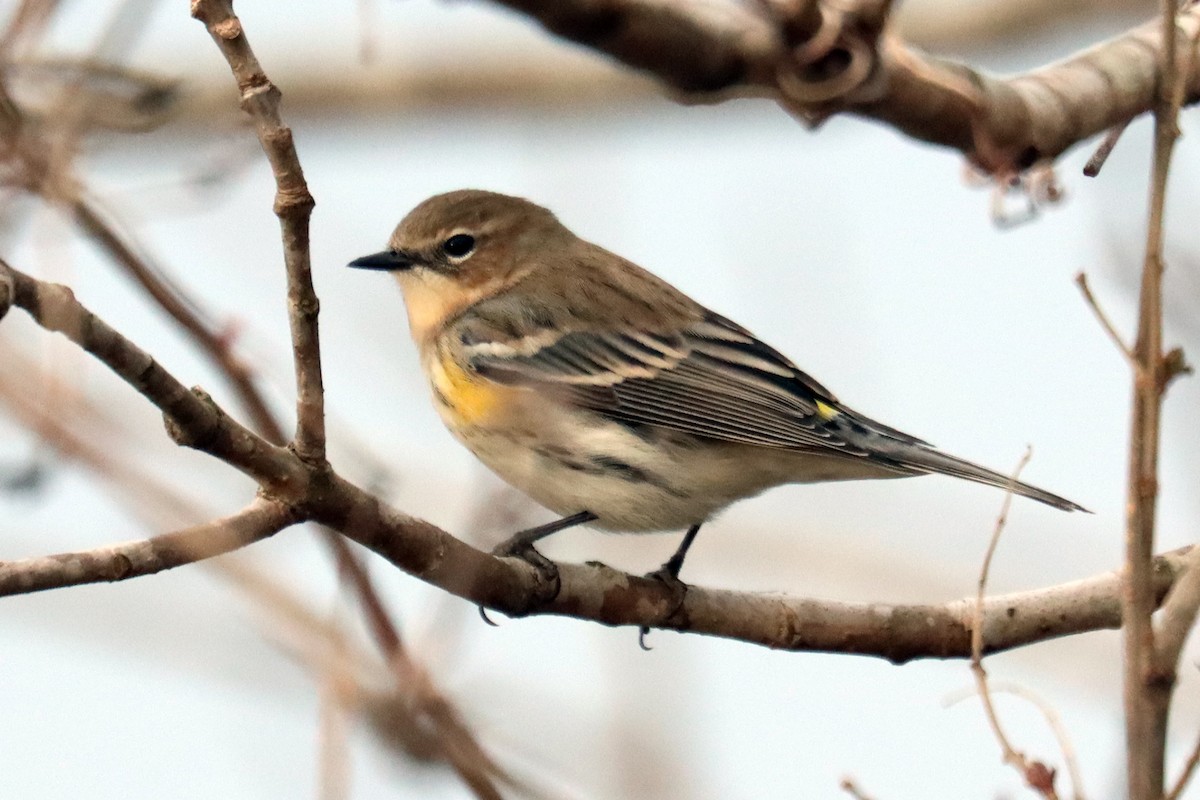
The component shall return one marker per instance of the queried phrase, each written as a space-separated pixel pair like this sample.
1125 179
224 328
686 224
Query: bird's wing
709 377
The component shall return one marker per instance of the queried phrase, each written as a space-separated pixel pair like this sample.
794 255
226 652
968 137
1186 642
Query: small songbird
605 393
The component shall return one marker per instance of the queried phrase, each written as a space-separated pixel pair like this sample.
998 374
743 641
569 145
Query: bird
609 396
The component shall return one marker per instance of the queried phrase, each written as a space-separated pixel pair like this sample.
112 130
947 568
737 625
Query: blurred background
867 258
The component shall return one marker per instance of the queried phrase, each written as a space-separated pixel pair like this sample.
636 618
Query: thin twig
1082 282
1056 727
293 206
1096 162
1036 778
260 519
849 786
1189 769
333 756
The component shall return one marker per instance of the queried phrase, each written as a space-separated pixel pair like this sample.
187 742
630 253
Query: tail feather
921 459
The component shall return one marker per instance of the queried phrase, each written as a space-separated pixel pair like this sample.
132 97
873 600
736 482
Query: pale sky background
863 256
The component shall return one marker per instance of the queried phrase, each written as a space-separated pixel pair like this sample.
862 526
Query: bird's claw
668 575
546 569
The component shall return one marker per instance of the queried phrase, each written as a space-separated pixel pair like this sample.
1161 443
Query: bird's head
457 248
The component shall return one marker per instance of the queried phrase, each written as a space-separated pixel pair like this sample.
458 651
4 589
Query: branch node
1040 778
121 567
830 57
1174 362
228 29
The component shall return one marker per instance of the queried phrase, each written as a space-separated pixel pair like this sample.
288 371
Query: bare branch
822 58
1147 686
193 419
293 206
260 519
898 633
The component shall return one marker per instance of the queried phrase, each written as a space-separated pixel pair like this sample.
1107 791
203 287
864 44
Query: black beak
389 260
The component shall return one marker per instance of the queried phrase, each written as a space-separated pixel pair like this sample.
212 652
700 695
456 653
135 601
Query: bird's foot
520 545
668 575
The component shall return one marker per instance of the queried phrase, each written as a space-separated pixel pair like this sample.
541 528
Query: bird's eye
458 245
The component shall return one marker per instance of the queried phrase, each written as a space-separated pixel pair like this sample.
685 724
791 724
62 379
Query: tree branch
293 206
257 521
1147 685
193 419
593 592
599 593
819 58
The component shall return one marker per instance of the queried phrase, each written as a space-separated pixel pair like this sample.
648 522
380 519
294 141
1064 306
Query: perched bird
605 393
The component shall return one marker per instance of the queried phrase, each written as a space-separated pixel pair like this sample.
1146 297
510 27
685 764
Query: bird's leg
520 544
668 573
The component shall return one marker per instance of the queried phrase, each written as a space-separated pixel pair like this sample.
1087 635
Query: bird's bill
389 260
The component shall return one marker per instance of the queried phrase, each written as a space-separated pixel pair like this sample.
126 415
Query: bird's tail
924 459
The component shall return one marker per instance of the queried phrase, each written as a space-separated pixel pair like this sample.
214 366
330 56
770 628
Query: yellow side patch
826 411
470 399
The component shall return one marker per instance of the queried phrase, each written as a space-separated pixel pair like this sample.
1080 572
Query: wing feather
710 378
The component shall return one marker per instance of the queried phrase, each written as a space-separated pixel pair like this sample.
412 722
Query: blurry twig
105 95
956 27
213 342
27 24
1056 727
1052 720
1189 769
333 772
848 786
